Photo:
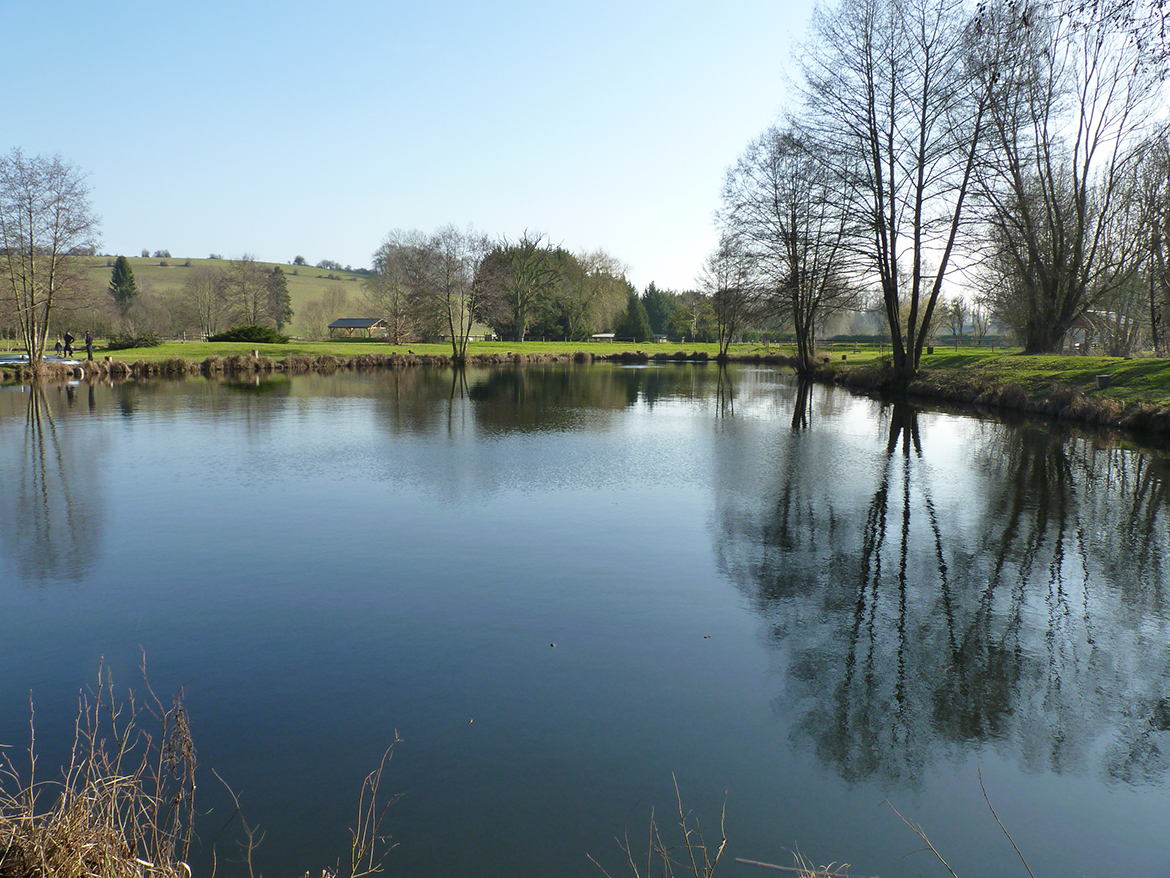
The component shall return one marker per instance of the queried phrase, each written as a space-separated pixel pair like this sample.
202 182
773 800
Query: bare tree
441 268
888 83
728 279
1153 191
319 313
387 288
204 295
246 291
1144 20
45 223
1070 105
1120 324
980 321
954 313
784 203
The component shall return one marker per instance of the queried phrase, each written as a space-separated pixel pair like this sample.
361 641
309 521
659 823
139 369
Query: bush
260 334
128 340
328 363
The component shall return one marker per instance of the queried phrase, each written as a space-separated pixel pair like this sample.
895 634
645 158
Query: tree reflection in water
802 409
50 521
1026 609
724 394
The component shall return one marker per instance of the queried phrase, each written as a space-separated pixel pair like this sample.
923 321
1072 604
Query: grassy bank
1132 394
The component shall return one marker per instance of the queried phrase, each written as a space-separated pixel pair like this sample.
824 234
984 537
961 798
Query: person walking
89 344
68 343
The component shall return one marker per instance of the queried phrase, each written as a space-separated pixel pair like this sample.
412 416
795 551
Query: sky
315 129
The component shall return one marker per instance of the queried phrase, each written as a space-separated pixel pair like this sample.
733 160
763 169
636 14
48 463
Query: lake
807 604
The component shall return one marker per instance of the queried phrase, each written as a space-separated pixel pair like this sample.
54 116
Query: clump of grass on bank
124 805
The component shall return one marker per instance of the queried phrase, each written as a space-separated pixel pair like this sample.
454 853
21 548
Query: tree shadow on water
50 522
1008 599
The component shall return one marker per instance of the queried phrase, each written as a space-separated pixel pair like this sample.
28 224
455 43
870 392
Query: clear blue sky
292 128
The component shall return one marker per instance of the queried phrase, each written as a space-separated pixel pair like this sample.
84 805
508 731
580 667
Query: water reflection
50 521
334 556
1022 604
802 406
724 394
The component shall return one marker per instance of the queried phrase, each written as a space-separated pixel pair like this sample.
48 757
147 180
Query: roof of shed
355 322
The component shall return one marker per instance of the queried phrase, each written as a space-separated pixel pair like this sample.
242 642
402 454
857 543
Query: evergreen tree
279 300
123 287
633 322
658 309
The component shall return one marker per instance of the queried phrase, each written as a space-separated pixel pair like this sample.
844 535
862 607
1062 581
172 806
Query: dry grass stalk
368 845
917 830
124 805
691 857
804 868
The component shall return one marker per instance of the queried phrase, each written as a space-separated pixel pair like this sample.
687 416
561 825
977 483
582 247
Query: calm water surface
810 601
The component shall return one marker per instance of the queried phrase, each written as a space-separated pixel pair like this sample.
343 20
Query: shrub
128 340
260 334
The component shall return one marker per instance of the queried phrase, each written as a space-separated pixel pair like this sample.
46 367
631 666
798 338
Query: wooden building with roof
350 325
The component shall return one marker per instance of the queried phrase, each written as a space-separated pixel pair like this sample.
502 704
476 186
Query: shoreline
1023 386
986 390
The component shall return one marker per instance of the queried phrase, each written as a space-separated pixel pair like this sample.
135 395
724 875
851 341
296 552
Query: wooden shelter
350 325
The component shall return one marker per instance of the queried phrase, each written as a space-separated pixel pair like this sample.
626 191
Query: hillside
165 277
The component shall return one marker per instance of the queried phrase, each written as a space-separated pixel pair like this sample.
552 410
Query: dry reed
691 856
124 805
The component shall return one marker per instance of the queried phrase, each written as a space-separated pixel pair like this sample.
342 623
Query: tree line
449 282
942 163
1016 149
439 285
